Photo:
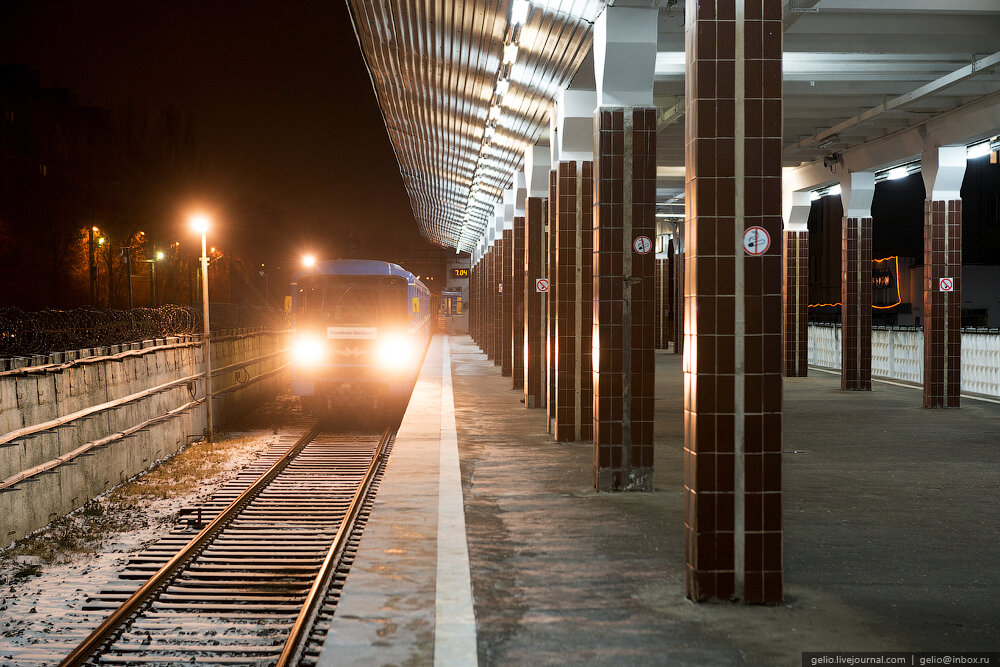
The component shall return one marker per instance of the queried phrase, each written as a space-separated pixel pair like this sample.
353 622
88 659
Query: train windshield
354 300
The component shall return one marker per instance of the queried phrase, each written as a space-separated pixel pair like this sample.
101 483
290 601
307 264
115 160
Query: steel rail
105 630
295 640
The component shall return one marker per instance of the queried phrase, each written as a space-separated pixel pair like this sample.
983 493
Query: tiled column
661 273
732 347
487 300
677 275
795 289
497 314
493 319
795 298
550 305
517 307
857 190
944 171
670 298
535 254
573 282
474 295
624 210
507 302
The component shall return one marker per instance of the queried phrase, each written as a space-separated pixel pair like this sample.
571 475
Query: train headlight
395 351
308 350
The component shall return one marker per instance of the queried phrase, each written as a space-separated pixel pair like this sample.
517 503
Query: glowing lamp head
159 254
199 223
309 261
308 350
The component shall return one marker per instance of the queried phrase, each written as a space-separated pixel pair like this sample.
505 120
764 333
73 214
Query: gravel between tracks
46 578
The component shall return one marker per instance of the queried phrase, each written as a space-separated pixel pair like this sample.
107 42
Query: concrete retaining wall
73 429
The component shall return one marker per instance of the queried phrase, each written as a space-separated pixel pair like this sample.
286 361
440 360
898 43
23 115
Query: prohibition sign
541 284
946 284
642 244
756 241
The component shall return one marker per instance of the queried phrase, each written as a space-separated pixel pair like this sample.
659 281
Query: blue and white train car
362 328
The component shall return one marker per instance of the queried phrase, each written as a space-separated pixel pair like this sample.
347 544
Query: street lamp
309 261
199 223
157 256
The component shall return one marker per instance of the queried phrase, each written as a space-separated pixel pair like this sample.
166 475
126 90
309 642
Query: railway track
251 577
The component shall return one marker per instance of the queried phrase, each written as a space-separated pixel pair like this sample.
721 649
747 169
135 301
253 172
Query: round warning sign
946 284
541 284
756 240
642 244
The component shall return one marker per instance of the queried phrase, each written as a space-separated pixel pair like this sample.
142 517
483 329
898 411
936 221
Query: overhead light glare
897 173
519 12
835 190
977 150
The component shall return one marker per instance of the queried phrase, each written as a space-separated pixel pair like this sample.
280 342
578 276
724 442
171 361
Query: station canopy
466 87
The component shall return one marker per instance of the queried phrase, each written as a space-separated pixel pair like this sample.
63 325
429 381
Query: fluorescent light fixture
503 85
813 195
835 190
494 112
977 151
675 216
489 132
519 12
509 54
898 172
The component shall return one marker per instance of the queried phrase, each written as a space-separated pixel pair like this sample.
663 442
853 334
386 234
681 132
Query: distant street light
152 276
308 261
200 223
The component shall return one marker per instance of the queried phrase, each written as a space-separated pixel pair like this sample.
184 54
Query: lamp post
152 276
199 223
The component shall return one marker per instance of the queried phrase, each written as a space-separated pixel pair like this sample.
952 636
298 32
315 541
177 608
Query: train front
353 348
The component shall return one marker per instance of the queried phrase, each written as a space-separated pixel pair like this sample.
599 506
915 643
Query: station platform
488 543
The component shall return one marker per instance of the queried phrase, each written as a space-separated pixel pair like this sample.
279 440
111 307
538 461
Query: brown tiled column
506 300
670 297
624 210
474 298
732 347
795 297
857 192
517 307
486 301
942 318
493 294
943 169
497 314
535 254
677 292
573 298
550 305
856 304
660 325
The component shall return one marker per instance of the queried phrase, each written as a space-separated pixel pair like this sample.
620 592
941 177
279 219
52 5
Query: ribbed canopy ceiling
438 68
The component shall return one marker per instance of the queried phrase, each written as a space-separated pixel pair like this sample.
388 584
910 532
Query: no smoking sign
541 284
756 241
946 284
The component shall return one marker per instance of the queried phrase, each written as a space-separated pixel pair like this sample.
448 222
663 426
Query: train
362 328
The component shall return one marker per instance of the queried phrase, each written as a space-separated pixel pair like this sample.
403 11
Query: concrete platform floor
892 533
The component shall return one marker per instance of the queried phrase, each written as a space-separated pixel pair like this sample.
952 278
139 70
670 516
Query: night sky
279 93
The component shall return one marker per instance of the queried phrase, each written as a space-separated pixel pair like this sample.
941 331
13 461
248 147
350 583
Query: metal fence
25 333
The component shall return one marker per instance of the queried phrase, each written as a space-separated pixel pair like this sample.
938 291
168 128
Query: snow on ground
46 578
